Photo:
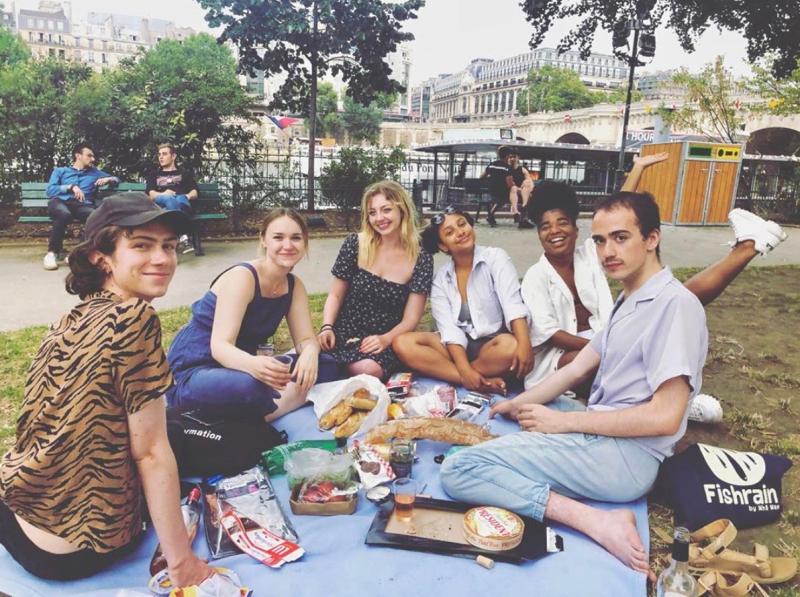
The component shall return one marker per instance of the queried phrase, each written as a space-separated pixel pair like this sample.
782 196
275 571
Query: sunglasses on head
439 218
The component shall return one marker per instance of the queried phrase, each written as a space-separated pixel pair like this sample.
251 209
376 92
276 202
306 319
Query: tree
12 49
362 123
308 39
770 26
617 96
343 181
553 89
34 133
781 96
186 93
709 107
329 121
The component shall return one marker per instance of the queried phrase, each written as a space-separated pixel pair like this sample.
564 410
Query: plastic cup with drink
405 494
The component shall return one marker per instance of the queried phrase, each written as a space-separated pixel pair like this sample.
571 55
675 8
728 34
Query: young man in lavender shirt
649 359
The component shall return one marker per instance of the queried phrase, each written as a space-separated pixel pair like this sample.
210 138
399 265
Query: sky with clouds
450 33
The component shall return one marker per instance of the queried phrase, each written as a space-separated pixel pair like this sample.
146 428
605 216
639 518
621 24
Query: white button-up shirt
552 305
493 297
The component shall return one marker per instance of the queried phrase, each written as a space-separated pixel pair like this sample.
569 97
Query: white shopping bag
327 395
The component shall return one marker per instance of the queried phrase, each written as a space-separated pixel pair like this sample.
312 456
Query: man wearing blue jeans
72 191
171 187
649 361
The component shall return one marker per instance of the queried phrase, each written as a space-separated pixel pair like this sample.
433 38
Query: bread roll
335 416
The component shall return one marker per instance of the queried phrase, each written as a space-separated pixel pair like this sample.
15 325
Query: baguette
451 431
335 416
358 403
351 425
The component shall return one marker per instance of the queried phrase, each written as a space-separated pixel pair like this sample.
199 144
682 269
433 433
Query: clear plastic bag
319 465
251 495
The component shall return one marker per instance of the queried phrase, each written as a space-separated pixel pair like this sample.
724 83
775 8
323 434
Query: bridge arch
774 140
576 138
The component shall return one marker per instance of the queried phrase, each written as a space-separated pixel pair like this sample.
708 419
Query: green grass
753 367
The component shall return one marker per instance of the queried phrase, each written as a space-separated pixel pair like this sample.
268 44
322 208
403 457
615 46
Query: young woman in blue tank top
213 357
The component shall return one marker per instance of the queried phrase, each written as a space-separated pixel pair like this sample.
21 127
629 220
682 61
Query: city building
7 17
487 89
420 100
47 31
105 39
400 63
658 85
101 41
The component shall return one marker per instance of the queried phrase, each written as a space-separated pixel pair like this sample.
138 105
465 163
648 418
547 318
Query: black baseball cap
133 209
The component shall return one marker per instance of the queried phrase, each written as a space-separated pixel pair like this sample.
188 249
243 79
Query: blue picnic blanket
337 562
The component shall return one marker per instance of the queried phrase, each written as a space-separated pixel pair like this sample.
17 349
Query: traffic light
620 37
647 45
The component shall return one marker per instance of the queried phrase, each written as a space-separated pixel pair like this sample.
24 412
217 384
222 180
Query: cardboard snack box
327 509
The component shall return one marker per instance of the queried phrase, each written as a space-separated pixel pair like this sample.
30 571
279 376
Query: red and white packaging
373 469
399 384
258 542
436 403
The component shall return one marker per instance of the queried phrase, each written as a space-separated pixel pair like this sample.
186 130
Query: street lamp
644 44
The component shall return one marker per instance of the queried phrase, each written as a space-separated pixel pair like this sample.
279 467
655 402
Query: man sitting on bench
72 191
650 357
171 187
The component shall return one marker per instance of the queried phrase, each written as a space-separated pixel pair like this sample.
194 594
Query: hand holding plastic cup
286 359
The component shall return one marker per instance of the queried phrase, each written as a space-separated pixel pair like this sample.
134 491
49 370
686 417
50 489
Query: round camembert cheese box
493 528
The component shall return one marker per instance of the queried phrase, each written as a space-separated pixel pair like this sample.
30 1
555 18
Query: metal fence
771 189
280 177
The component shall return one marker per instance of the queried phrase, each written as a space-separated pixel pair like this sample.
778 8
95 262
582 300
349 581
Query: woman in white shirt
476 304
566 290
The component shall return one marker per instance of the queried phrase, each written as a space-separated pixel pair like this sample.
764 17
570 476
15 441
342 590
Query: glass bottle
675 580
191 511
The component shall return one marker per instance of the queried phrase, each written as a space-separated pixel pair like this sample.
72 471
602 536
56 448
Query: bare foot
616 531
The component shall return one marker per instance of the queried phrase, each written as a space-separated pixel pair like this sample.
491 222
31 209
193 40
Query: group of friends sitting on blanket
91 443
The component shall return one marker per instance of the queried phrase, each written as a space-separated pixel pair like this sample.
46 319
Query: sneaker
185 244
705 409
50 262
526 224
516 218
765 234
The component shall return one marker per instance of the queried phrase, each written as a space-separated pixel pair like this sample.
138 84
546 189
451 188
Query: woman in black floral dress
382 279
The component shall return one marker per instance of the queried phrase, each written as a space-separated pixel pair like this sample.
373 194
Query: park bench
206 206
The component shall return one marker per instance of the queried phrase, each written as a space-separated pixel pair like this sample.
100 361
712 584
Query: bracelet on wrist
326 326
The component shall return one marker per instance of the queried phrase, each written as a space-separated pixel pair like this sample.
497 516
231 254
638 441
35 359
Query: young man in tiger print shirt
91 437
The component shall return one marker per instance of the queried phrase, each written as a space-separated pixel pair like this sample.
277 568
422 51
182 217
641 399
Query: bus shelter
459 163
